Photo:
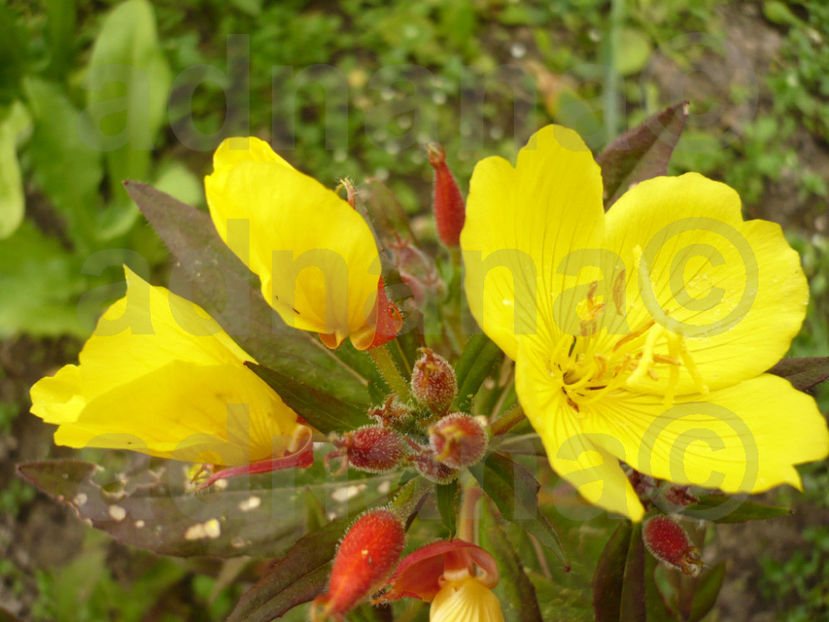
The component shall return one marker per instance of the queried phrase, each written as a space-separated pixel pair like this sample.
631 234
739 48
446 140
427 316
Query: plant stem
467 520
391 373
506 422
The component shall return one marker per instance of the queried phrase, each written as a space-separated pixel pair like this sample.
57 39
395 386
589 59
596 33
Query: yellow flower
642 334
463 598
159 376
315 256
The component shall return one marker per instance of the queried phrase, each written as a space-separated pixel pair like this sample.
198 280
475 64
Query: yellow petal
467 600
529 229
744 438
735 289
579 456
161 377
315 255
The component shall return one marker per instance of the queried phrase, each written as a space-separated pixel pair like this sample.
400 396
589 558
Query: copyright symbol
701 257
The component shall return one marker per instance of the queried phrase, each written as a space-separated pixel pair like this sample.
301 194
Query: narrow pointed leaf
804 373
708 588
609 575
448 502
632 603
642 152
260 516
295 578
474 366
209 274
323 411
514 491
515 591
719 508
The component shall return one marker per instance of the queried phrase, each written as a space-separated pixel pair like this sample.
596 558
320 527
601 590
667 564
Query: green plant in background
67 225
74 128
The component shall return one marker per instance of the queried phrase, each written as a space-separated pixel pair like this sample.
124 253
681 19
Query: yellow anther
688 361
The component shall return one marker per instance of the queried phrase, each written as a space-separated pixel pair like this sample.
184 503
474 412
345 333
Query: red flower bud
429 467
367 554
450 212
372 448
458 440
433 381
668 542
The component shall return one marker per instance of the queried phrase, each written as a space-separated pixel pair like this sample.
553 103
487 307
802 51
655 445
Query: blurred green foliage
92 93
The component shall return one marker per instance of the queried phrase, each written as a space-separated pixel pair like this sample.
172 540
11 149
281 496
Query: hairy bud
433 381
458 440
669 543
367 555
429 467
372 448
450 212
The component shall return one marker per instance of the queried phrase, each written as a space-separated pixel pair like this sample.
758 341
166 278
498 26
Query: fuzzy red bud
367 554
372 448
429 467
450 211
433 381
669 543
458 440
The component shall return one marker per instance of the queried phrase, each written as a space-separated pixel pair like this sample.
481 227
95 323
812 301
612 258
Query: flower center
587 373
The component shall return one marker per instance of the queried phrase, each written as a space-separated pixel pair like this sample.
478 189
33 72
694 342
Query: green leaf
448 502
295 578
632 53
475 364
608 578
40 284
323 411
13 46
61 21
66 167
632 603
179 182
515 493
642 152
515 591
209 274
719 508
705 596
804 373
12 201
260 516
128 81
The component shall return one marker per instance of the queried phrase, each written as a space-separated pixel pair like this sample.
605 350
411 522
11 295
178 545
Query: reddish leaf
295 578
642 152
608 578
804 373
259 516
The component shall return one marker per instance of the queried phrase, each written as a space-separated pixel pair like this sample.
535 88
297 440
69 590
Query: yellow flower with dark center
643 334
159 376
314 254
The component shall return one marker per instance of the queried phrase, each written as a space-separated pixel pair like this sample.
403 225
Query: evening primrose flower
639 335
455 576
160 377
314 254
